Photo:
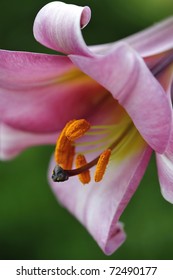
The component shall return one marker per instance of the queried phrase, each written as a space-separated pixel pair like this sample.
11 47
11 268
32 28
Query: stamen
64 150
84 176
77 129
101 165
92 163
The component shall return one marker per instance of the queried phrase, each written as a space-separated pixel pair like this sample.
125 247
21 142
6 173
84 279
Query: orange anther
84 176
64 150
69 158
77 129
101 165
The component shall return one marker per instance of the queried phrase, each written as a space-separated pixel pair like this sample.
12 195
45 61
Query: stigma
68 151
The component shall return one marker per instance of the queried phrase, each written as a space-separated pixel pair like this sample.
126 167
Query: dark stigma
59 174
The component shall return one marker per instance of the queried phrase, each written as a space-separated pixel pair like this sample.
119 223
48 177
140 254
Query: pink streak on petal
125 75
99 206
58 26
31 69
13 141
40 93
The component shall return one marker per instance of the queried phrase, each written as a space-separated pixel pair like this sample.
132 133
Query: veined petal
35 87
13 141
120 70
165 161
58 26
98 206
153 40
123 73
165 172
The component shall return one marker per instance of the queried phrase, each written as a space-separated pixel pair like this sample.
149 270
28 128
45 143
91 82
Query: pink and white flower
124 87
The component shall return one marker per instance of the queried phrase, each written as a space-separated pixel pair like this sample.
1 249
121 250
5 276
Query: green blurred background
32 224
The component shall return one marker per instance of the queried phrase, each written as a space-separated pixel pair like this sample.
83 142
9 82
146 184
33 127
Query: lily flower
110 105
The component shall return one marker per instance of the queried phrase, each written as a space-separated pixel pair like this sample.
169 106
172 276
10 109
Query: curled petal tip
115 239
58 26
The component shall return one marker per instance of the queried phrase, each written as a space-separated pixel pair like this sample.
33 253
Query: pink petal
165 161
98 206
13 141
165 172
40 93
120 70
153 40
123 73
58 26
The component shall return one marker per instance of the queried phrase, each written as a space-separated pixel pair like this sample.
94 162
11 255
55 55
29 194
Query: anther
77 129
101 165
64 150
69 158
84 176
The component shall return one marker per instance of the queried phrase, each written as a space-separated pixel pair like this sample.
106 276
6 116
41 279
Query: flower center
107 139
